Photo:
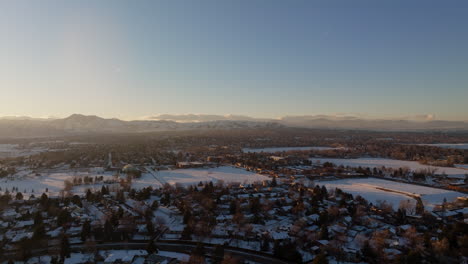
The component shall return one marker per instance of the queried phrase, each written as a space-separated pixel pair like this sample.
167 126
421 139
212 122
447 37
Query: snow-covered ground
194 176
29 183
453 146
368 189
391 163
462 166
280 149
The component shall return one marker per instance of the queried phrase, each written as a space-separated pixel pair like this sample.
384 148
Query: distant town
236 196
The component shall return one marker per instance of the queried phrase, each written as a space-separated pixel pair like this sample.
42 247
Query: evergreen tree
150 227
63 217
187 233
233 207
401 216
108 230
64 248
85 230
324 192
151 247
24 248
320 259
419 206
273 182
44 200
187 216
265 244
39 232
287 251
254 205
38 218
324 232
104 190
218 254
199 250
89 195
368 253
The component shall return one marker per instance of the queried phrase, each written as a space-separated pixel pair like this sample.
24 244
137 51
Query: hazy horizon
264 59
197 117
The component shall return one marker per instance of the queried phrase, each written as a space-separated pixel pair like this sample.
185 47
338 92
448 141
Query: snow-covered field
462 166
390 163
28 183
194 176
368 189
280 149
453 146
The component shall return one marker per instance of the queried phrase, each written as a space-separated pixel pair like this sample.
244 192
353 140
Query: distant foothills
83 124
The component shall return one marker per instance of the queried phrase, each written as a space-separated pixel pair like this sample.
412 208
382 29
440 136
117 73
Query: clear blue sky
260 58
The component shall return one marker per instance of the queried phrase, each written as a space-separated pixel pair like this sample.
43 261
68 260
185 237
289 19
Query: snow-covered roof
405 227
223 217
279 235
323 242
313 217
20 236
123 255
21 224
78 258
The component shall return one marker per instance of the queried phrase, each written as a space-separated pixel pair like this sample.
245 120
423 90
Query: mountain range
85 124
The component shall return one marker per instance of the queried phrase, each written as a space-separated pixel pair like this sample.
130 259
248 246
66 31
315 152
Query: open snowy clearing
281 149
391 163
28 183
368 188
194 176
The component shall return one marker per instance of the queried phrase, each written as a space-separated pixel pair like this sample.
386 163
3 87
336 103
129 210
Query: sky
262 58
